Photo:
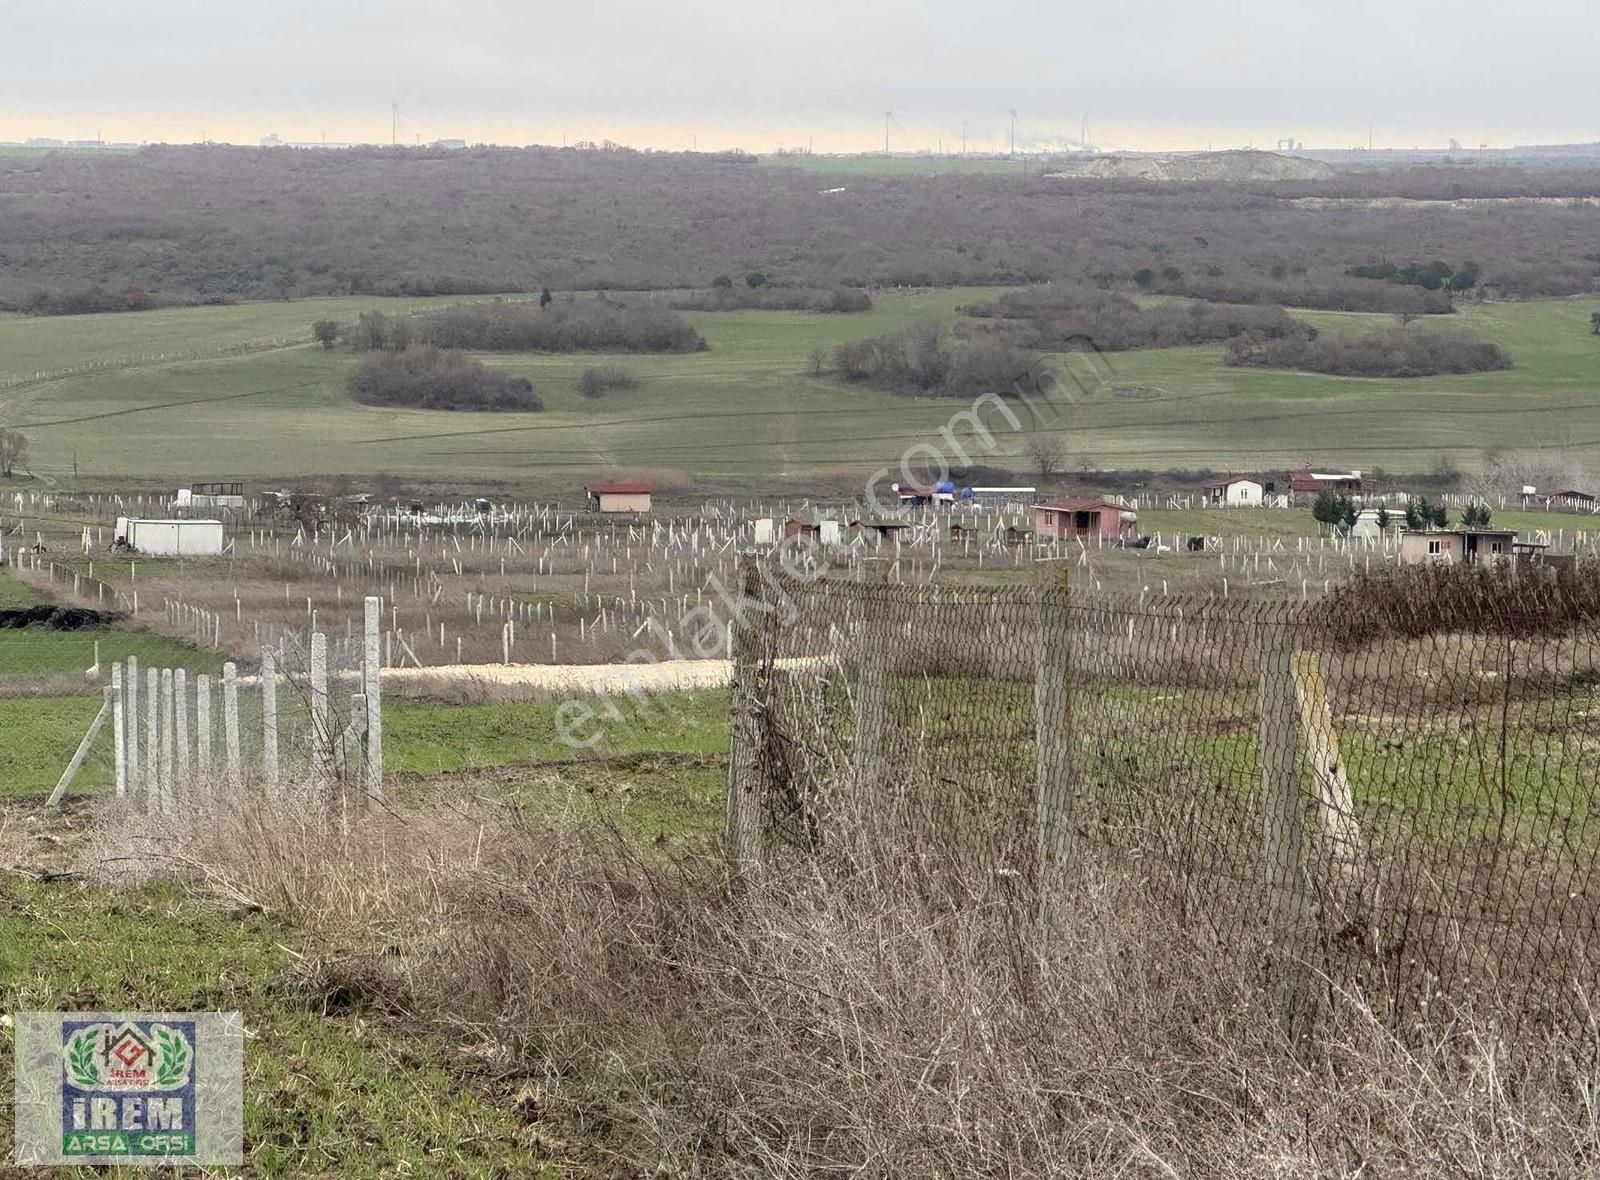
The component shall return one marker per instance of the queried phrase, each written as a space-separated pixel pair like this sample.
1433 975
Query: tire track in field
194 401
129 364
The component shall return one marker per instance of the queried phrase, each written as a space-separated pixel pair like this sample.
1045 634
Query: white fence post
321 737
269 719
152 734
169 762
202 728
83 749
119 737
230 723
372 688
183 765
130 715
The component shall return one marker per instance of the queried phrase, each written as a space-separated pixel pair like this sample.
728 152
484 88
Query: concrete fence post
372 689
152 735
321 729
82 751
130 714
269 720
183 769
119 736
230 724
202 728
169 768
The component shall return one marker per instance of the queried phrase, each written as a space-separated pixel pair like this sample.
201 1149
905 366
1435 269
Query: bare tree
1047 453
13 451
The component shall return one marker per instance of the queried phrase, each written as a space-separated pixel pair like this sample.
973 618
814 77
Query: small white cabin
1237 492
172 538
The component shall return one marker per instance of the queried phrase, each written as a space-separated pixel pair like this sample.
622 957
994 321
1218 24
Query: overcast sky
757 73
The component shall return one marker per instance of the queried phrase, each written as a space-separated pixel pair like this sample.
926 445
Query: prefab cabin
171 538
211 497
1455 546
618 497
1238 492
1082 518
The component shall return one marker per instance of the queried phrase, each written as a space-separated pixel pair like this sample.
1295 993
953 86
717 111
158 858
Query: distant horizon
17 136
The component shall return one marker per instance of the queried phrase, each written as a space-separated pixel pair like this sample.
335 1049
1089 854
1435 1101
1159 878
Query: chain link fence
1390 791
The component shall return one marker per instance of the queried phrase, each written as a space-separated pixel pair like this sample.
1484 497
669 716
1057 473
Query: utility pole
394 124
1013 132
963 137
887 115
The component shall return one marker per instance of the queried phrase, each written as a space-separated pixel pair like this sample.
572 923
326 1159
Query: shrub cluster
1394 353
1431 276
1070 316
927 359
600 324
1322 290
428 378
765 298
602 379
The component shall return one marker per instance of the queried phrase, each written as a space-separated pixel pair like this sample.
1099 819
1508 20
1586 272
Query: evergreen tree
1323 510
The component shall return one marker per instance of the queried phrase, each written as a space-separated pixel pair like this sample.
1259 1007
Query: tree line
597 324
207 224
1073 316
1392 353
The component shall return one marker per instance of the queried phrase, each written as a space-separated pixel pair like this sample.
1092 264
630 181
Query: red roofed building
1082 518
1569 498
619 497
1306 482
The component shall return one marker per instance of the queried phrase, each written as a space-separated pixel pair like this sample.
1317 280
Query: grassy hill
227 391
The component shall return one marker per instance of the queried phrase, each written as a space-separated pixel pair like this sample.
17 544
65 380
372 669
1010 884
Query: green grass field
744 415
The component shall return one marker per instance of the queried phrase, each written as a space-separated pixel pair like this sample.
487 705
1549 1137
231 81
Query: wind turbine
888 117
1013 111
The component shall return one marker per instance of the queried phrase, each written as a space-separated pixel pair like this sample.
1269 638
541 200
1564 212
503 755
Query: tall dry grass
875 1012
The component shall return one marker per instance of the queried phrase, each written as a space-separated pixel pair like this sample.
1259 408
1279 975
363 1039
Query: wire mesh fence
1372 793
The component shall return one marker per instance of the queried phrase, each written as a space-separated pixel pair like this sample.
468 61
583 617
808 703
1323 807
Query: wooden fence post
230 724
1056 798
269 720
747 761
372 689
1283 824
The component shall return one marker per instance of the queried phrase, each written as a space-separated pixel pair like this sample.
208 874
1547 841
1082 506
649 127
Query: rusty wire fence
1378 797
